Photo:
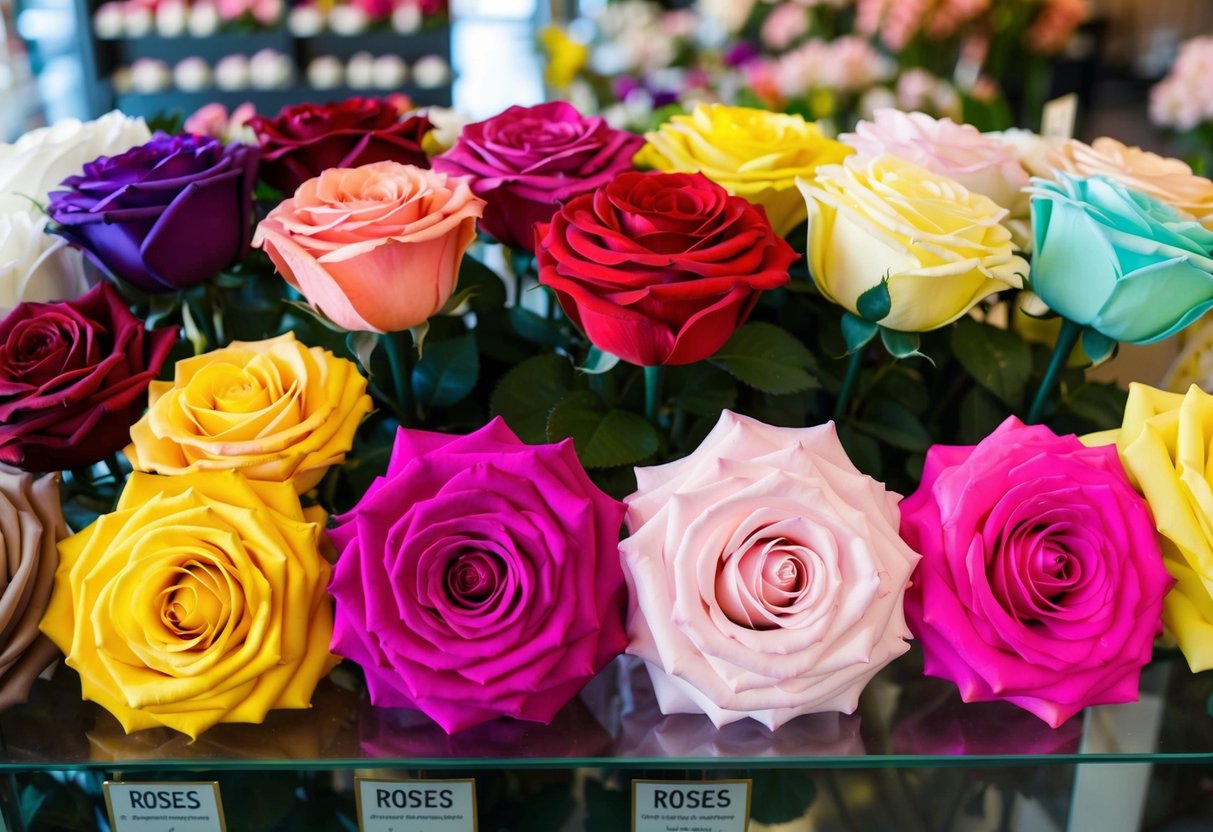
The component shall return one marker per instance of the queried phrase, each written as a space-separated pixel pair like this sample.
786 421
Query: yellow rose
275 410
941 248
753 154
200 599
1164 443
1168 180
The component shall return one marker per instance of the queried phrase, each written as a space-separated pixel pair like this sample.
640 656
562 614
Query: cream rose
766 575
375 248
34 265
938 247
1170 181
275 410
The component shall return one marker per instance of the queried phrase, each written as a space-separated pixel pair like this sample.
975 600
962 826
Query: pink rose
959 151
784 25
766 575
1041 580
375 248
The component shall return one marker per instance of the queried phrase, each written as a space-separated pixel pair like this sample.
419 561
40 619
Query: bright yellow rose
941 248
752 153
200 599
274 410
1164 443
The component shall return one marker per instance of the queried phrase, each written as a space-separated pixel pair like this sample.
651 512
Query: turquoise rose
1117 261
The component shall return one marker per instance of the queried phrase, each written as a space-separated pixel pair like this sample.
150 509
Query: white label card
164 807
1057 120
690 806
416 805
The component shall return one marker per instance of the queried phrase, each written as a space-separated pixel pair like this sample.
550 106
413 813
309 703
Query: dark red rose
660 268
304 140
73 379
527 160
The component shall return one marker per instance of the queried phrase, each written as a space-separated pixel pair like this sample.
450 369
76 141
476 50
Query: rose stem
848 384
392 343
653 378
1066 339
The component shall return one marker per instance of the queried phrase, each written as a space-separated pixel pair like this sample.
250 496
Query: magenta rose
528 160
73 379
1041 580
479 578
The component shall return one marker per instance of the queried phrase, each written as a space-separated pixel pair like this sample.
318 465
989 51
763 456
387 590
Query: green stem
397 359
653 378
1066 339
848 384
115 468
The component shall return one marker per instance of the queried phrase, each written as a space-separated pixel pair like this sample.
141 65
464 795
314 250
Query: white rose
36 163
34 265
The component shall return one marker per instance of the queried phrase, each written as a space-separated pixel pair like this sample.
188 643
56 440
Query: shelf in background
904 720
266 102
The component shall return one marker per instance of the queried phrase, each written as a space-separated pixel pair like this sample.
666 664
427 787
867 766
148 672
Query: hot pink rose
982 164
375 248
766 575
1041 580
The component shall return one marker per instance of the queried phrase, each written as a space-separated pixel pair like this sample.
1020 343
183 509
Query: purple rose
479 578
528 160
165 215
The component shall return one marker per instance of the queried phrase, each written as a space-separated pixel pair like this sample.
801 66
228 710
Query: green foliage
768 358
604 437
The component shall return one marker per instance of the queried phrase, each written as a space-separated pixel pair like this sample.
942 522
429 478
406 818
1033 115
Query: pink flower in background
949 16
374 9
854 65
1184 99
214 120
1056 23
1041 581
785 25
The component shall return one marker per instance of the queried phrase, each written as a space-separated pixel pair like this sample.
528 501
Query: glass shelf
904 720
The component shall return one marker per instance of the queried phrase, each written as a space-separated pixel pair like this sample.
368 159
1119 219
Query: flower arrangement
480 414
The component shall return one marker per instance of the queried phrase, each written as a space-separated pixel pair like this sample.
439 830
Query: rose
274 410
165 215
304 140
753 153
375 248
72 379
660 268
35 266
959 151
1170 181
936 246
766 575
215 121
200 599
36 163
1117 261
1163 443
479 578
526 160
1041 580
31 523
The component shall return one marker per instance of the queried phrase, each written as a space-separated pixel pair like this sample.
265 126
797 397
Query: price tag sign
690 805
164 807
416 805
1057 120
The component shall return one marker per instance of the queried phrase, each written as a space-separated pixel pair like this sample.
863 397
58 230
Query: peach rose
1167 180
375 248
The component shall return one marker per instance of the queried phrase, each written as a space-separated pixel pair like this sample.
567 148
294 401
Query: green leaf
863 450
902 384
603 438
597 362
979 415
875 304
901 344
999 360
781 797
536 328
894 424
700 388
485 285
362 345
522 262
768 358
418 334
1098 347
528 392
447 372
1100 403
857 332
161 307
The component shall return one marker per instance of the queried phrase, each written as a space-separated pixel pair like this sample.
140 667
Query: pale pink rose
786 24
766 575
1184 99
853 65
213 120
375 248
958 151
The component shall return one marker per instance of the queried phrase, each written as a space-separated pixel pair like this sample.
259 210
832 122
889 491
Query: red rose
660 268
307 139
73 377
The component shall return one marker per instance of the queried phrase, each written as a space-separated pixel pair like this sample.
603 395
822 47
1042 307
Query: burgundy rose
527 160
73 379
660 268
305 140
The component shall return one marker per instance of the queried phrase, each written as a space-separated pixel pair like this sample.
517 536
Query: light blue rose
1117 261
